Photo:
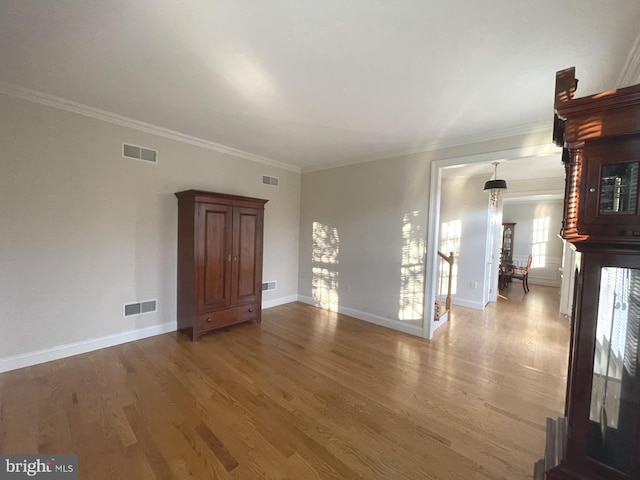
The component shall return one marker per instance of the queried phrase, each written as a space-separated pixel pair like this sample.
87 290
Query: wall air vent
269 286
139 308
267 180
139 153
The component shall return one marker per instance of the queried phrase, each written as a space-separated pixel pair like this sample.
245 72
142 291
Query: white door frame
491 273
433 227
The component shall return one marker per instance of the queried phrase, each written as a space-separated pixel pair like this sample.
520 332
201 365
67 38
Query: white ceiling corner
630 74
309 85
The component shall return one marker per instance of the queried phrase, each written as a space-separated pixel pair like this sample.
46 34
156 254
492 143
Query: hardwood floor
308 394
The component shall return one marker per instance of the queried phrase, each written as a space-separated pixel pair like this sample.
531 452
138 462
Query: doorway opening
476 166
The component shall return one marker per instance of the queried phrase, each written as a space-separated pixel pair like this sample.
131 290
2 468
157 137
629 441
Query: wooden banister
449 260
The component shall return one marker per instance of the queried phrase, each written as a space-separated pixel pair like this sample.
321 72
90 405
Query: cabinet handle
250 310
208 320
229 258
235 258
592 190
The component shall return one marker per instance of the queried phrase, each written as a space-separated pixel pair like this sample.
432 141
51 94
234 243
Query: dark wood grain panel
215 246
219 260
227 316
601 136
247 255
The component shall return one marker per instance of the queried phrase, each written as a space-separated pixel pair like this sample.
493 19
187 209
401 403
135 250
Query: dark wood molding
601 135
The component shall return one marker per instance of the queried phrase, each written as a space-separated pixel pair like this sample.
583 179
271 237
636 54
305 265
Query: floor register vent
139 308
139 153
269 286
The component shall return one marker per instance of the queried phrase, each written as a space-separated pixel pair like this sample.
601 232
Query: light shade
495 185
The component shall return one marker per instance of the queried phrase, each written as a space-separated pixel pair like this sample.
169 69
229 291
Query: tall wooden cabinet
506 244
601 139
219 260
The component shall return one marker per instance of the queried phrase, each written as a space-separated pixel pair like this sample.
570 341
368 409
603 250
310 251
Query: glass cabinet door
615 394
609 200
619 189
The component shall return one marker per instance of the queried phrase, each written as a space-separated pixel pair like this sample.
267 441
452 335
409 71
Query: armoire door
247 255
214 251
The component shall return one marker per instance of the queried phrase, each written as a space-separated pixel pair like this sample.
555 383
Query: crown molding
530 128
553 197
535 189
630 74
82 109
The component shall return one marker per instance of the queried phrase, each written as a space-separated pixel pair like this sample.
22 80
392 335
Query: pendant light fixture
495 185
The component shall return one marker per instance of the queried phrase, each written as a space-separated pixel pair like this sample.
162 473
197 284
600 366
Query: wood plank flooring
308 394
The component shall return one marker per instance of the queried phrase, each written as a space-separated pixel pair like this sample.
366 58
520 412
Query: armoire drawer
227 316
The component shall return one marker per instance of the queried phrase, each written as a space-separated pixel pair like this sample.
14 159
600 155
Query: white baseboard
279 301
440 322
70 349
461 302
370 317
62 351
548 282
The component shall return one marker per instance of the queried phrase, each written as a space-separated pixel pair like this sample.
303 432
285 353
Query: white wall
85 230
463 199
377 212
523 213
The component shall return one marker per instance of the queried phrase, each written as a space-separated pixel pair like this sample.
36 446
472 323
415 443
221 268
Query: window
540 239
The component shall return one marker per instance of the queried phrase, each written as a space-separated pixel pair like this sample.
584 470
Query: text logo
50 467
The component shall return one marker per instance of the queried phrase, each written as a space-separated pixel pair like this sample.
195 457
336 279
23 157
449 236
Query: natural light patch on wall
325 252
412 269
539 244
450 235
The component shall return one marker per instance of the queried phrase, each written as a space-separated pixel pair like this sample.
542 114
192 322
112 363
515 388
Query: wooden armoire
600 135
219 260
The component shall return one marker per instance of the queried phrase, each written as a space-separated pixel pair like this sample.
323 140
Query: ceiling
530 168
314 84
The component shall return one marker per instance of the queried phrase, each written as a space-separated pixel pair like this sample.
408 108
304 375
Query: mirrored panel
619 189
615 405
